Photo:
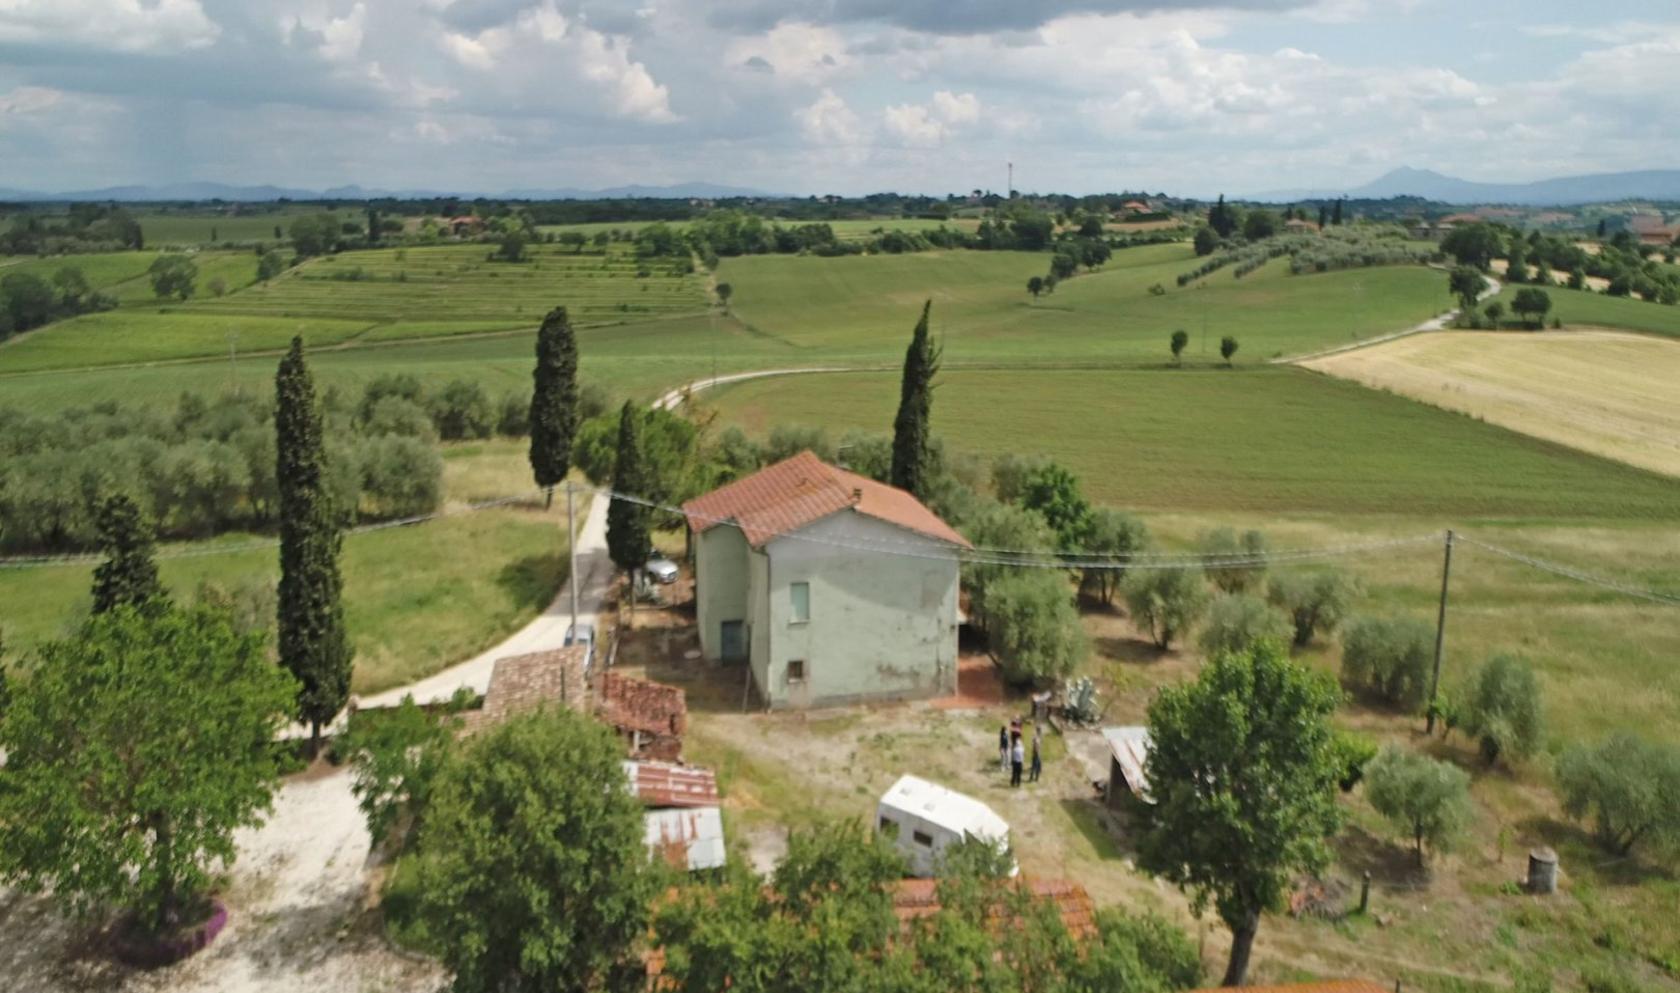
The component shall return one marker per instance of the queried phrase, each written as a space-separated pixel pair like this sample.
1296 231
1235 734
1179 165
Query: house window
922 838
801 603
796 671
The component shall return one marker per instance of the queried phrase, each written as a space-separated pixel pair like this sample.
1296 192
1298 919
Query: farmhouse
832 587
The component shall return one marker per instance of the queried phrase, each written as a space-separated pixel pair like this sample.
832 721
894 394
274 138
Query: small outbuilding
1128 765
686 837
923 819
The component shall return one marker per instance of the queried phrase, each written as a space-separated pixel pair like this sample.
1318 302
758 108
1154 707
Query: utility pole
571 550
1440 636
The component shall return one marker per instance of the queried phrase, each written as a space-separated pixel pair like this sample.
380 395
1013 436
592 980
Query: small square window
922 838
801 597
889 827
796 671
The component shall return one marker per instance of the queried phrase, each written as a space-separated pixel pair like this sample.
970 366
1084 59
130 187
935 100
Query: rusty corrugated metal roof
665 784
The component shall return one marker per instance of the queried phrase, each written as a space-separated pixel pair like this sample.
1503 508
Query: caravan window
922 838
889 827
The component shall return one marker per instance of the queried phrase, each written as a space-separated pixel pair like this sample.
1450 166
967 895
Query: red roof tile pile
913 898
521 683
653 714
802 490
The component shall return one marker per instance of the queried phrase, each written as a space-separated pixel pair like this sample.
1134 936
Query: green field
416 598
1272 439
1580 308
103 270
189 228
861 307
130 335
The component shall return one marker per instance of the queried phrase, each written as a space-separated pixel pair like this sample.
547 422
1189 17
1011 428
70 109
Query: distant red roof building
802 490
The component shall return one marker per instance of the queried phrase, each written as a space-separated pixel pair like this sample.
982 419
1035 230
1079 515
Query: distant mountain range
250 194
1650 184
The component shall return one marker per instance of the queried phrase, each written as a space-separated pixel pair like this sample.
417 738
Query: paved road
1438 323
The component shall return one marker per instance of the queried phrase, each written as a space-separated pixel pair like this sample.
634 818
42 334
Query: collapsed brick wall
653 717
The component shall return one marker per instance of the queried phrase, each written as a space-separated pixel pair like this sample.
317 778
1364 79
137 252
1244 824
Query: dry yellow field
1605 392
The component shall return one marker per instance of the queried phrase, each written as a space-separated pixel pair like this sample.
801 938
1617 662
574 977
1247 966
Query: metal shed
1128 749
925 818
686 838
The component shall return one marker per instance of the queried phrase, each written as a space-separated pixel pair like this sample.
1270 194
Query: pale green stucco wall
882 625
720 584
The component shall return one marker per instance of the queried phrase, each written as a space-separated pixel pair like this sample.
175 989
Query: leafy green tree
1629 786
1239 621
401 477
396 415
1032 627
173 276
72 287
1244 777
134 751
628 541
1501 708
270 264
999 525
315 234
1206 241
1052 490
26 300
1222 219
1531 304
1466 283
1035 286
724 292
1389 657
554 401
1259 225
511 247
911 427
1473 245
513 420
394 757
1180 339
533 875
314 646
1113 537
1165 603
1063 265
1227 348
1427 799
1353 753
1494 311
1233 564
1316 602
1516 263
128 577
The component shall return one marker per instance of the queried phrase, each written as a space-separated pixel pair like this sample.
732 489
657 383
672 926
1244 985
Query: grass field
1581 308
131 335
416 598
1609 393
1271 439
103 270
862 307
185 228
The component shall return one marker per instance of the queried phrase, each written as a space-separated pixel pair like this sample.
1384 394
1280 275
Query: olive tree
1238 621
1165 603
1316 602
1501 708
1389 658
1233 564
1112 538
1427 799
1032 627
1629 786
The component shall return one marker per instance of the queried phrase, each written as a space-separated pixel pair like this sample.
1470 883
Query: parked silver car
583 633
661 570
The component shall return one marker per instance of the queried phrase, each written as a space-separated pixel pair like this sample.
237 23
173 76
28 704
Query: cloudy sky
847 96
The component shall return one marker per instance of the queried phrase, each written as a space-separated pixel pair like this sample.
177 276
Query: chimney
857 494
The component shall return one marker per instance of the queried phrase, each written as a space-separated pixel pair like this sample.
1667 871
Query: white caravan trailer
924 818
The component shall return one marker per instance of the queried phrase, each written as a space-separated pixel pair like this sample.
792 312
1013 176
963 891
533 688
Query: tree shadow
1389 863
1139 651
532 581
1579 851
1110 833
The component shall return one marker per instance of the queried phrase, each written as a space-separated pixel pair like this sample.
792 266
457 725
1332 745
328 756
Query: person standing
1003 747
1017 758
1037 763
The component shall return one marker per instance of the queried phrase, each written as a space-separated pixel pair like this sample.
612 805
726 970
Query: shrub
514 419
1315 602
1389 658
394 756
1237 621
1630 788
1353 753
1502 708
1166 602
402 477
395 415
1427 799
462 410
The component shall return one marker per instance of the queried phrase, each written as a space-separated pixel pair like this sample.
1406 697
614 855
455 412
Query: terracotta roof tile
804 489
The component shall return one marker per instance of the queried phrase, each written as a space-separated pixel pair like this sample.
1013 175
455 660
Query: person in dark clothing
1017 756
1003 747
1037 763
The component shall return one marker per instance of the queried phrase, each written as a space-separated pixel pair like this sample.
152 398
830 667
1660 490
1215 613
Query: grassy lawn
1264 439
1609 393
1583 308
128 335
417 599
862 307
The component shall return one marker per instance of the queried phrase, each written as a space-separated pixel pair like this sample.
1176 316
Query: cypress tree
911 455
128 577
1336 214
627 522
554 401
313 643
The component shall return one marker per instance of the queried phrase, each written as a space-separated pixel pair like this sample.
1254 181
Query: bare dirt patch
1605 392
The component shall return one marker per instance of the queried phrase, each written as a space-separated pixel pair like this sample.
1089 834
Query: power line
1569 572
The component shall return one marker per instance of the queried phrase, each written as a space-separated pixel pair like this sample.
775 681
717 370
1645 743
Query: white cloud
29 100
159 27
336 39
800 53
829 121
956 109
